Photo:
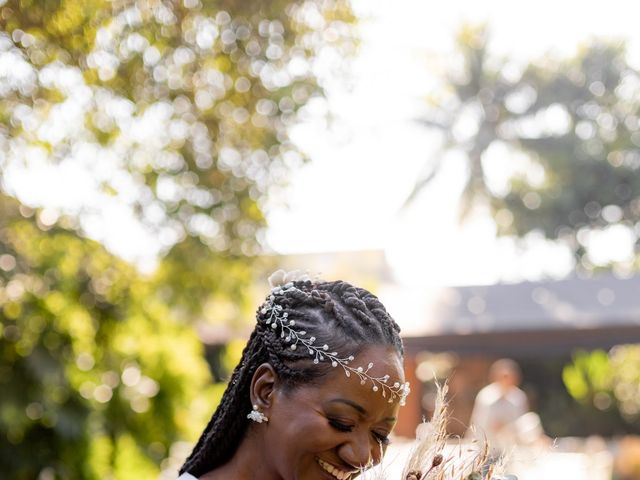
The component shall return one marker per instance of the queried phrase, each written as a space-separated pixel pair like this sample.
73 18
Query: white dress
187 476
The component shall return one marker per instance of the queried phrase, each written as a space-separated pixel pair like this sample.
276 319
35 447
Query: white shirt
495 413
187 476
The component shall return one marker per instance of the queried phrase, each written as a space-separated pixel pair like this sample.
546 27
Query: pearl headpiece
276 317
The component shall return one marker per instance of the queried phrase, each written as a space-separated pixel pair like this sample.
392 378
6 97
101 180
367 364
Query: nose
359 452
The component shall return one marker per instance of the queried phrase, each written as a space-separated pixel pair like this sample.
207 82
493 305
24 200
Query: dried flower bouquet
434 458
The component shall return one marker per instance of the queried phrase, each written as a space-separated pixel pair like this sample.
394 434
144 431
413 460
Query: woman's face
329 431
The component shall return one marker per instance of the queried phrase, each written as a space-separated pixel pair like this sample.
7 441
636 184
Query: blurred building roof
529 317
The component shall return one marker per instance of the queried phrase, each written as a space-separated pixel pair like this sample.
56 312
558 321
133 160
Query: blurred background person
501 410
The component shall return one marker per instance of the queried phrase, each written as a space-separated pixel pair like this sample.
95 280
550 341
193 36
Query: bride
316 393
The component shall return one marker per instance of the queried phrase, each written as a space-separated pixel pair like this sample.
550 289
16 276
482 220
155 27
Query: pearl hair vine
275 316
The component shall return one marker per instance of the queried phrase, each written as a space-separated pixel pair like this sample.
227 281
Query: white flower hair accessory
275 316
281 277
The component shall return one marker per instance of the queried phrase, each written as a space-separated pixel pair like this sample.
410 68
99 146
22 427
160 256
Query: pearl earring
257 416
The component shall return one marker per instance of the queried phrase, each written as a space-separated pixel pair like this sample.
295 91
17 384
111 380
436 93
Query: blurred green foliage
561 413
181 109
589 373
565 132
191 101
99 378
607 380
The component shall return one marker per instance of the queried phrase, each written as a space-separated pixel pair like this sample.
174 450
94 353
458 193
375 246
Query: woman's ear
262 387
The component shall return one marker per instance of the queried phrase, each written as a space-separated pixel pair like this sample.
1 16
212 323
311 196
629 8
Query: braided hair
346 317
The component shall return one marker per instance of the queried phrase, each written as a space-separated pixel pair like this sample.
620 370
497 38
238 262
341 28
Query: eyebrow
359 408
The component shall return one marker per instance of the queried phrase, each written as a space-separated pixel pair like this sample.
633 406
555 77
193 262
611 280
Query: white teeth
339 474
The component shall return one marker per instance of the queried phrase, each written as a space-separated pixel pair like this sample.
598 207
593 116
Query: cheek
294 446
305 435
378 453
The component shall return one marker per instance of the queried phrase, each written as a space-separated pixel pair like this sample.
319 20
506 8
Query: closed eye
341 427
382 439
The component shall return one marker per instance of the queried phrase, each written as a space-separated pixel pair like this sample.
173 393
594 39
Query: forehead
385 360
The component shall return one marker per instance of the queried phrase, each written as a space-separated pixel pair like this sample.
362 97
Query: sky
365 165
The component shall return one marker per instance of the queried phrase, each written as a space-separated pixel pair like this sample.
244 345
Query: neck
247 463
505 387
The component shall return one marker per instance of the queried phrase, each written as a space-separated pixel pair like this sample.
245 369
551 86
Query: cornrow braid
337 313
235 396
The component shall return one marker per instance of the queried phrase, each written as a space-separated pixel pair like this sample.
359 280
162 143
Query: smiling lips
336 472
